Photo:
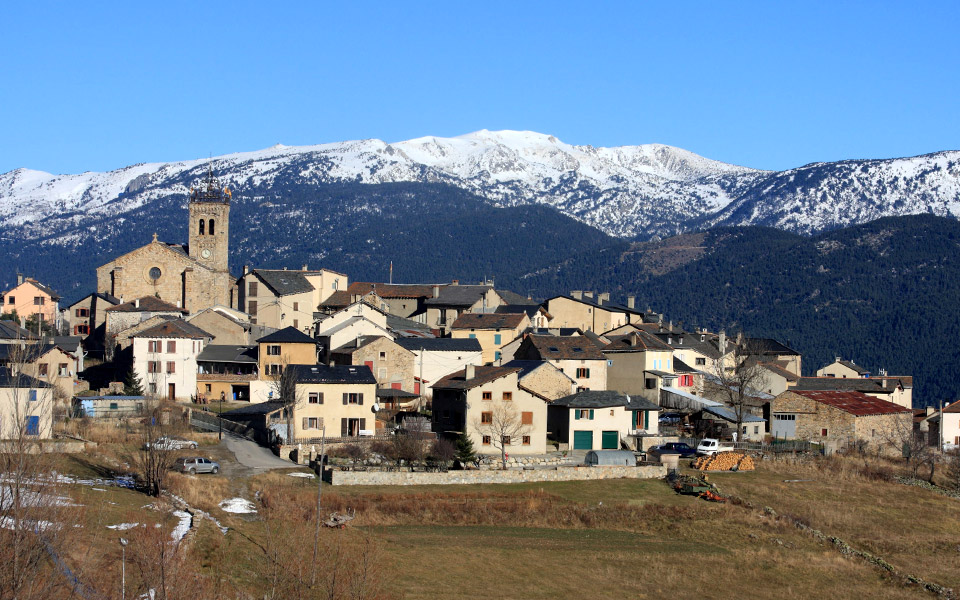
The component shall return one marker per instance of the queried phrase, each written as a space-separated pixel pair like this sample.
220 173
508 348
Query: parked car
171 443
197 464
711 446
680 448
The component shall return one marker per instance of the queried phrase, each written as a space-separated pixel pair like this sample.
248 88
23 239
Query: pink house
31 297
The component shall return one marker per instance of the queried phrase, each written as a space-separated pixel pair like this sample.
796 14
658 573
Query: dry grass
201 491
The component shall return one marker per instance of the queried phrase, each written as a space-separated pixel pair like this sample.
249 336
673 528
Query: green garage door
611 440
583 440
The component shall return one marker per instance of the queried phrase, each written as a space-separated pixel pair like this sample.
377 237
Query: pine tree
465 452
132 386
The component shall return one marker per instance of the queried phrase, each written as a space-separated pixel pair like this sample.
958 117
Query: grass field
606 539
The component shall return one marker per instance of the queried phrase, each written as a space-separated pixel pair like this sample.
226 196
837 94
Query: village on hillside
301 357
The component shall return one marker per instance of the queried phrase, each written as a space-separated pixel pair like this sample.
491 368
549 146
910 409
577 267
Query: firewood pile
725 461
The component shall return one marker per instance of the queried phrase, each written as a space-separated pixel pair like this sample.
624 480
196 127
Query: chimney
671 326
669 340
455 282
246 269
470 372
304 268
930 410
436 291
576 294
136 303
604 297
633 339
723 343
588 294
178 304
284 268
19 278
631 301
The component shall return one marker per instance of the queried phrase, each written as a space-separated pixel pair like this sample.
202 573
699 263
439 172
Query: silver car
197 464
172 443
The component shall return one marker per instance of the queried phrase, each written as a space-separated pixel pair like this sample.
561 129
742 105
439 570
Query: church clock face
205 253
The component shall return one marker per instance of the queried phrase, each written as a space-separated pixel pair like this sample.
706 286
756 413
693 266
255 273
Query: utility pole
316 533
940 428
420 400
123 569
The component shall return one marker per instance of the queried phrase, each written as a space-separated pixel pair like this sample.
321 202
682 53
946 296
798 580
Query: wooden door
172 392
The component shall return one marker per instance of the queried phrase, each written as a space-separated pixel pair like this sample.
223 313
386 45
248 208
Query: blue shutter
496 339
33 395
591 414
576 414
33 425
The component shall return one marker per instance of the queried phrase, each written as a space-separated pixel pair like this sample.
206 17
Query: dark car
680 448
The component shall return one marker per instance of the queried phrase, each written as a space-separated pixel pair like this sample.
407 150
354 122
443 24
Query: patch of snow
186 520
123 526
305 475
239 506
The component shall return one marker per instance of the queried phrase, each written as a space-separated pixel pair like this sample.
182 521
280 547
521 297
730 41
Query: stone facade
492 476
812 418
392 365
548 382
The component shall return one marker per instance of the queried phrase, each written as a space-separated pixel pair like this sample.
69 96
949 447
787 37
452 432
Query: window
383 355
315 398
155 273
486 440
496 339
526 418
252 308
756 430
823 432
201 230
650 383
83 312
486 418
209 388
62 370
33 425
171 367
583 373
33 395
274 369
273 350
701 361
873 433
313 423
81 329
43 369
496 355
473 336
296 323
526 440
153 366
353 398
11 300
171 347
38 300
507 396
252 288
506 440
583 413
488 395
296 306
114 406
152 388
211 227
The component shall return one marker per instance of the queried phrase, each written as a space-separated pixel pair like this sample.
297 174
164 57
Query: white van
711 446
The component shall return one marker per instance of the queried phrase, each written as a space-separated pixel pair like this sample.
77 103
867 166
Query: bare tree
952 460
154 461
736 378
285 390
901 438
503 424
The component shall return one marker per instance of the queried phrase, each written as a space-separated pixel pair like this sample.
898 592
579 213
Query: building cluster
308 353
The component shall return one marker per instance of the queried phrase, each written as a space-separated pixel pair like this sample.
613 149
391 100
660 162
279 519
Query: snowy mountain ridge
624 191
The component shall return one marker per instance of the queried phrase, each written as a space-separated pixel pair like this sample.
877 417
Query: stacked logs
725 461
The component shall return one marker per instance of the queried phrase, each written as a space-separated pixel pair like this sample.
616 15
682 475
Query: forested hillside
885 294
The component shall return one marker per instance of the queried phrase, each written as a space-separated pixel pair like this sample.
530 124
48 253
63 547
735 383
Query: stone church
195 276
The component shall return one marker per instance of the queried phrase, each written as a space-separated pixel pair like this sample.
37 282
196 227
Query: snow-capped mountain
626 191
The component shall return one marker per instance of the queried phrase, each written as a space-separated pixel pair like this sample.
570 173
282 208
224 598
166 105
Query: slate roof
555 347
853 366
102 295
407 327
767 346
529 309
681 367
457 295
335 374
287 335
338 299
604 399
855 403
638 341
147 304
777 369
284 282
173 328
440 344
361 342
19 381
514 298
860 384
27 353
229 353
392 290
482 375
729 415
11 331
392 393
488 321
68 343
528 366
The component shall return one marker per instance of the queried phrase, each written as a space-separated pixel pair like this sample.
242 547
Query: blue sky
767 84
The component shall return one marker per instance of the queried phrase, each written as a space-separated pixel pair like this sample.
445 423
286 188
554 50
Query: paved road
253 455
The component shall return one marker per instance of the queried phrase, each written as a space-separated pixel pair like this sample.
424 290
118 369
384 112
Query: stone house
126 315
391 364
401 299
87 318
26 406
640 364
898 390
228 326
450 301
493 330
543 379
348 331
842 417
582 311
339 398
165 359
435 358
576 356
48 363
472 400
280 298
601 420
772 351
30 298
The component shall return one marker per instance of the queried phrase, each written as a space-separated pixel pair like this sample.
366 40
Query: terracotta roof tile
855 403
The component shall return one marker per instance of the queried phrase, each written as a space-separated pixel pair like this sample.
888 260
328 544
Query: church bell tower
210 224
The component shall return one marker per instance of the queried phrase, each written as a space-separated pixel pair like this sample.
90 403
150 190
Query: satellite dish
376 407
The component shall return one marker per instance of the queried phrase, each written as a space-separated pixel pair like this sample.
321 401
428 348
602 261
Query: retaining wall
510 476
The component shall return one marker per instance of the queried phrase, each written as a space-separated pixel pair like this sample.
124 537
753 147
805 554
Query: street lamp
123 569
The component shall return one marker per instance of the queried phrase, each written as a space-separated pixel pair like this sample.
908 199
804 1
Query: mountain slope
883 294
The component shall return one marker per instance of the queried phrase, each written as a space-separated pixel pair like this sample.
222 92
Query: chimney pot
246 269
436 291
136 303
588 294
631 301
455 282
576 294
470 372
19 278
284 268
304 267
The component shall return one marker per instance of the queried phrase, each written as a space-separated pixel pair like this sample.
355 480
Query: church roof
146 304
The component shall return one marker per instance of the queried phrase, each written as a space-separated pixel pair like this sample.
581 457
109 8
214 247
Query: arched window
211 226
201 226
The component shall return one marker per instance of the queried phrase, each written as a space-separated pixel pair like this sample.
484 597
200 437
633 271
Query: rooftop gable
147 304
482 375
488 321
287 335
174 328
855 403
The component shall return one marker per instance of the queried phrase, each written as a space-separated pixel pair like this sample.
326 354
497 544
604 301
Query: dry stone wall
484 476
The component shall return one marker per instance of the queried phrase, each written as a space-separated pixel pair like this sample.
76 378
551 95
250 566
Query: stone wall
510 476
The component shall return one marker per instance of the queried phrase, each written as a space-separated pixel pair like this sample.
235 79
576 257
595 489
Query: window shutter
344 427
591 414
576 415
526 418
320 396
360 398
304 426
588 373
345 398
363 423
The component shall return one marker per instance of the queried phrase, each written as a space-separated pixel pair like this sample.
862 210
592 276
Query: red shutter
416 387
396 386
